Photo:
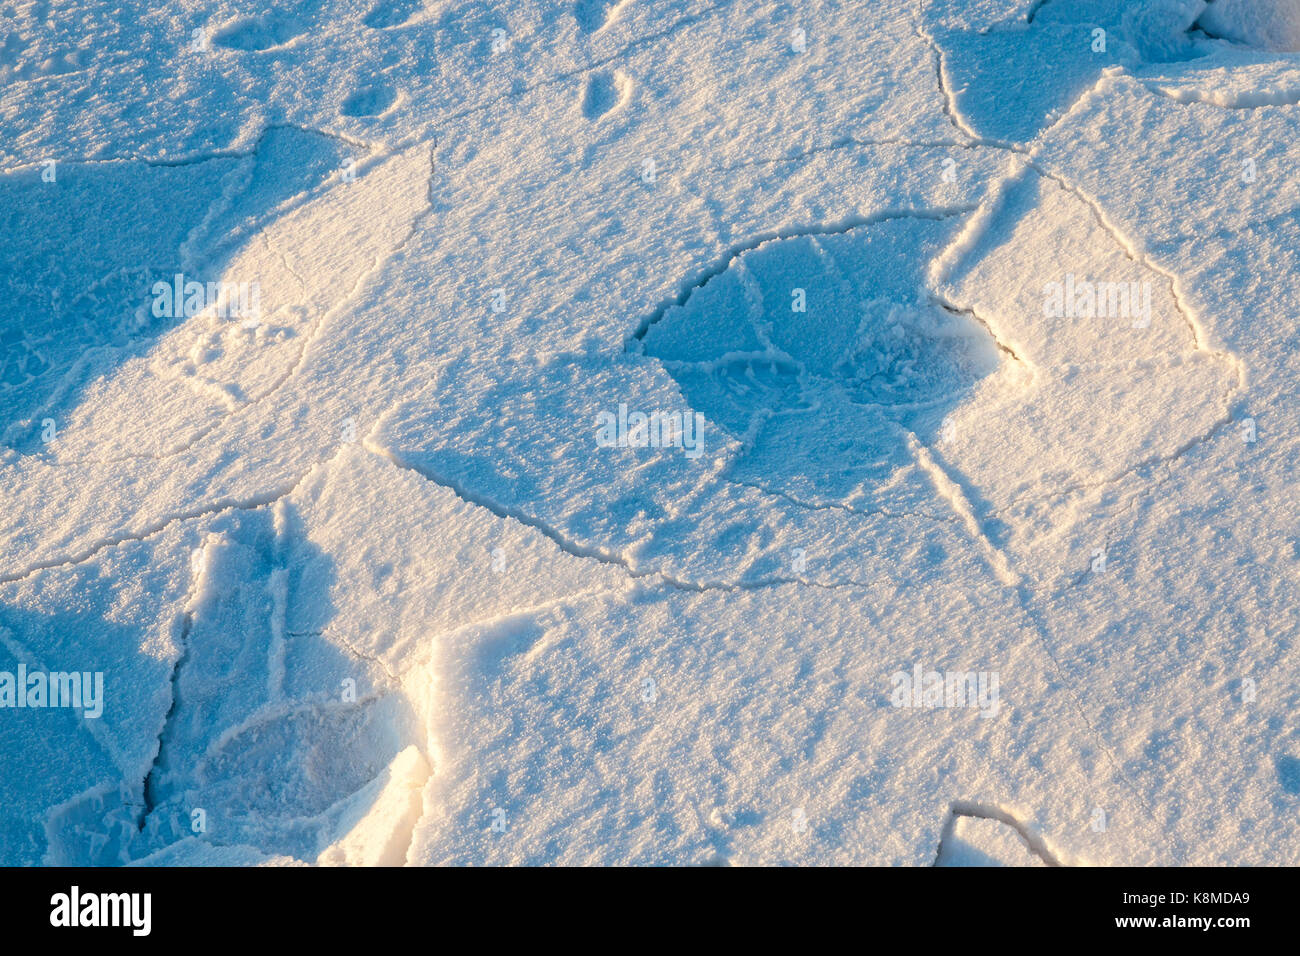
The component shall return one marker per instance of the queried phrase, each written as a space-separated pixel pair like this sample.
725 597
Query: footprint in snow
369 101
605 92
252 34
391 13
595 15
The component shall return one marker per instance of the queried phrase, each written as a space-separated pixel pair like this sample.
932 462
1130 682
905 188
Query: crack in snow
839 506
949 101
952 494
591 551
150 784
197 158
1035 9
1033 841
250 503
634 342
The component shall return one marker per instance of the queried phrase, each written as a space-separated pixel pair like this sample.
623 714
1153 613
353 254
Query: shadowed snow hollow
100 344
822 353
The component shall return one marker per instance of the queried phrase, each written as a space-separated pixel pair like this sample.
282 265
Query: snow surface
1270 24
365 588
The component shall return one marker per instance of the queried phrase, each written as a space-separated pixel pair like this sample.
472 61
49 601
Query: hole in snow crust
822 352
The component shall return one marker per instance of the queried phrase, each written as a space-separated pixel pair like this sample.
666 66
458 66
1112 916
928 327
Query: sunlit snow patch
1122 376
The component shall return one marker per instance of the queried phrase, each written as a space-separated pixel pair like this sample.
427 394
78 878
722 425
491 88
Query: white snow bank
384 814
1270 24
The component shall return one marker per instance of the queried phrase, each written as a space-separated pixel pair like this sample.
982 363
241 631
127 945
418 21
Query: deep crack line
1036 9
949 101
151 778
974 316
1032 840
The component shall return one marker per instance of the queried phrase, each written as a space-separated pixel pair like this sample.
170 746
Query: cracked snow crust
366 587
